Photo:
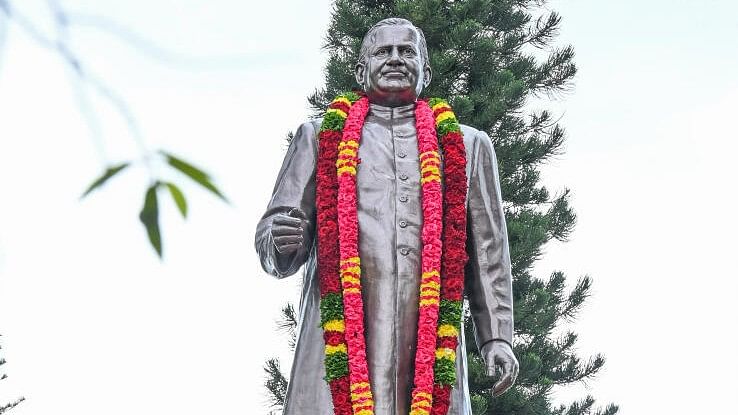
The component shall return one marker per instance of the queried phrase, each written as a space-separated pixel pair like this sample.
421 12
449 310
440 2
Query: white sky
93 323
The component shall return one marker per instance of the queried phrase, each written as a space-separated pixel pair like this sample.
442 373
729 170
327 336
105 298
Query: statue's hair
371 35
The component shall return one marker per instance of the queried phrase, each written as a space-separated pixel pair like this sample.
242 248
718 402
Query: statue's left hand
499 354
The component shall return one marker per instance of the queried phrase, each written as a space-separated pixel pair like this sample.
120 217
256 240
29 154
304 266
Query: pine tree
276 382
486 60
5 407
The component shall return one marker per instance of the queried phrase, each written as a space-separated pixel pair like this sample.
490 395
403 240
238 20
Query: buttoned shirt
390 223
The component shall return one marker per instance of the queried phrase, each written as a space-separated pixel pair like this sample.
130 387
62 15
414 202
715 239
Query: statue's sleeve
488 272
295 188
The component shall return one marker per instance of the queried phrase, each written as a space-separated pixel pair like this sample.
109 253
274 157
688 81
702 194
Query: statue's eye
381 52
408 52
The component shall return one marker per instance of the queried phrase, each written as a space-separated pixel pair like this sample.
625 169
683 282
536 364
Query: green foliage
336 366
276 383
109 172
288 324
449 312
194 173
149 214
332 121
488 58
60 46
445 371
331 308
178 197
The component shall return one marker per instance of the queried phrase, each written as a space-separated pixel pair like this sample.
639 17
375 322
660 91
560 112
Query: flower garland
430 280
339 264
331 298
350 265
454 252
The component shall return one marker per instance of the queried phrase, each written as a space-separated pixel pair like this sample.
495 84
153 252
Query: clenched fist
288 231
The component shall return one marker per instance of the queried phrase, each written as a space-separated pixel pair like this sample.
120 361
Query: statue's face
394 73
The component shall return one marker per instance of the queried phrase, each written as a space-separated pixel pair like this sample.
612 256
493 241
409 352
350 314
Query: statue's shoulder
315 123
471 135
308 130
477 144
312 125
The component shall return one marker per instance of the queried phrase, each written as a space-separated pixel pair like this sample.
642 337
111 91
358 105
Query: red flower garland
454 252
331 309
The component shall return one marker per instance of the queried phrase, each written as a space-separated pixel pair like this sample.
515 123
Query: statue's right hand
288 231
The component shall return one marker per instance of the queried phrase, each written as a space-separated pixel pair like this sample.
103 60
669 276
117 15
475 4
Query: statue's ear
360 74
427 75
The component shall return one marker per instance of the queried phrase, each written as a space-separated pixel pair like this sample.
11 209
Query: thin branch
148 48
83 100
61 47
3 31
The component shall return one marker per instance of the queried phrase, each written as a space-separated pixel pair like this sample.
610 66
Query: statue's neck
392 112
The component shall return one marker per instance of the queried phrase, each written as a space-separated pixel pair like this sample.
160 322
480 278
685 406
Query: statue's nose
394 57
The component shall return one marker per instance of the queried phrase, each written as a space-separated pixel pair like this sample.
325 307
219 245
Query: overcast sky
94 323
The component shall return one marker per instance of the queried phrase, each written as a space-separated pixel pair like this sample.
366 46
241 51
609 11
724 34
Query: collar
387 113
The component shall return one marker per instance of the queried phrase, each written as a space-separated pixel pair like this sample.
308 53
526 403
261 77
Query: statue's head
393 63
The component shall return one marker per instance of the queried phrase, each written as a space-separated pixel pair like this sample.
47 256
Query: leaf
149 216
110 172
193 173
179 198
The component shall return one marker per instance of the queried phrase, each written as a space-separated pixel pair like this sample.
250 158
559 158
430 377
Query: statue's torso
390 222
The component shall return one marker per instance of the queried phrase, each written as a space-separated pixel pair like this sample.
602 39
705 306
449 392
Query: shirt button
404 251
401 155
403 176
403 198
403 224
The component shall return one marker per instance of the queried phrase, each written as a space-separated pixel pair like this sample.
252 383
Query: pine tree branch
543 31
585 407
275 383
7 407
578 408
577 296
611 409
561 217
288 324
574 370
566 342
555 74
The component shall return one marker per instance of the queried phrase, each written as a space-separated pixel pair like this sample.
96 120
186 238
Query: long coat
390 221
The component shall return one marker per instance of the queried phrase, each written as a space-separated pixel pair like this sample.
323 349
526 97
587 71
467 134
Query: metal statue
393 69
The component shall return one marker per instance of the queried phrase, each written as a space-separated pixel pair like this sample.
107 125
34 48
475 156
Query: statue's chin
393 95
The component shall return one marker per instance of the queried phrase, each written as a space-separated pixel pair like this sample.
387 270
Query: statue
393 229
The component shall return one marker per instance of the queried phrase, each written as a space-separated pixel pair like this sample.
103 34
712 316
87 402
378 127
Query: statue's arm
294 189
489 276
